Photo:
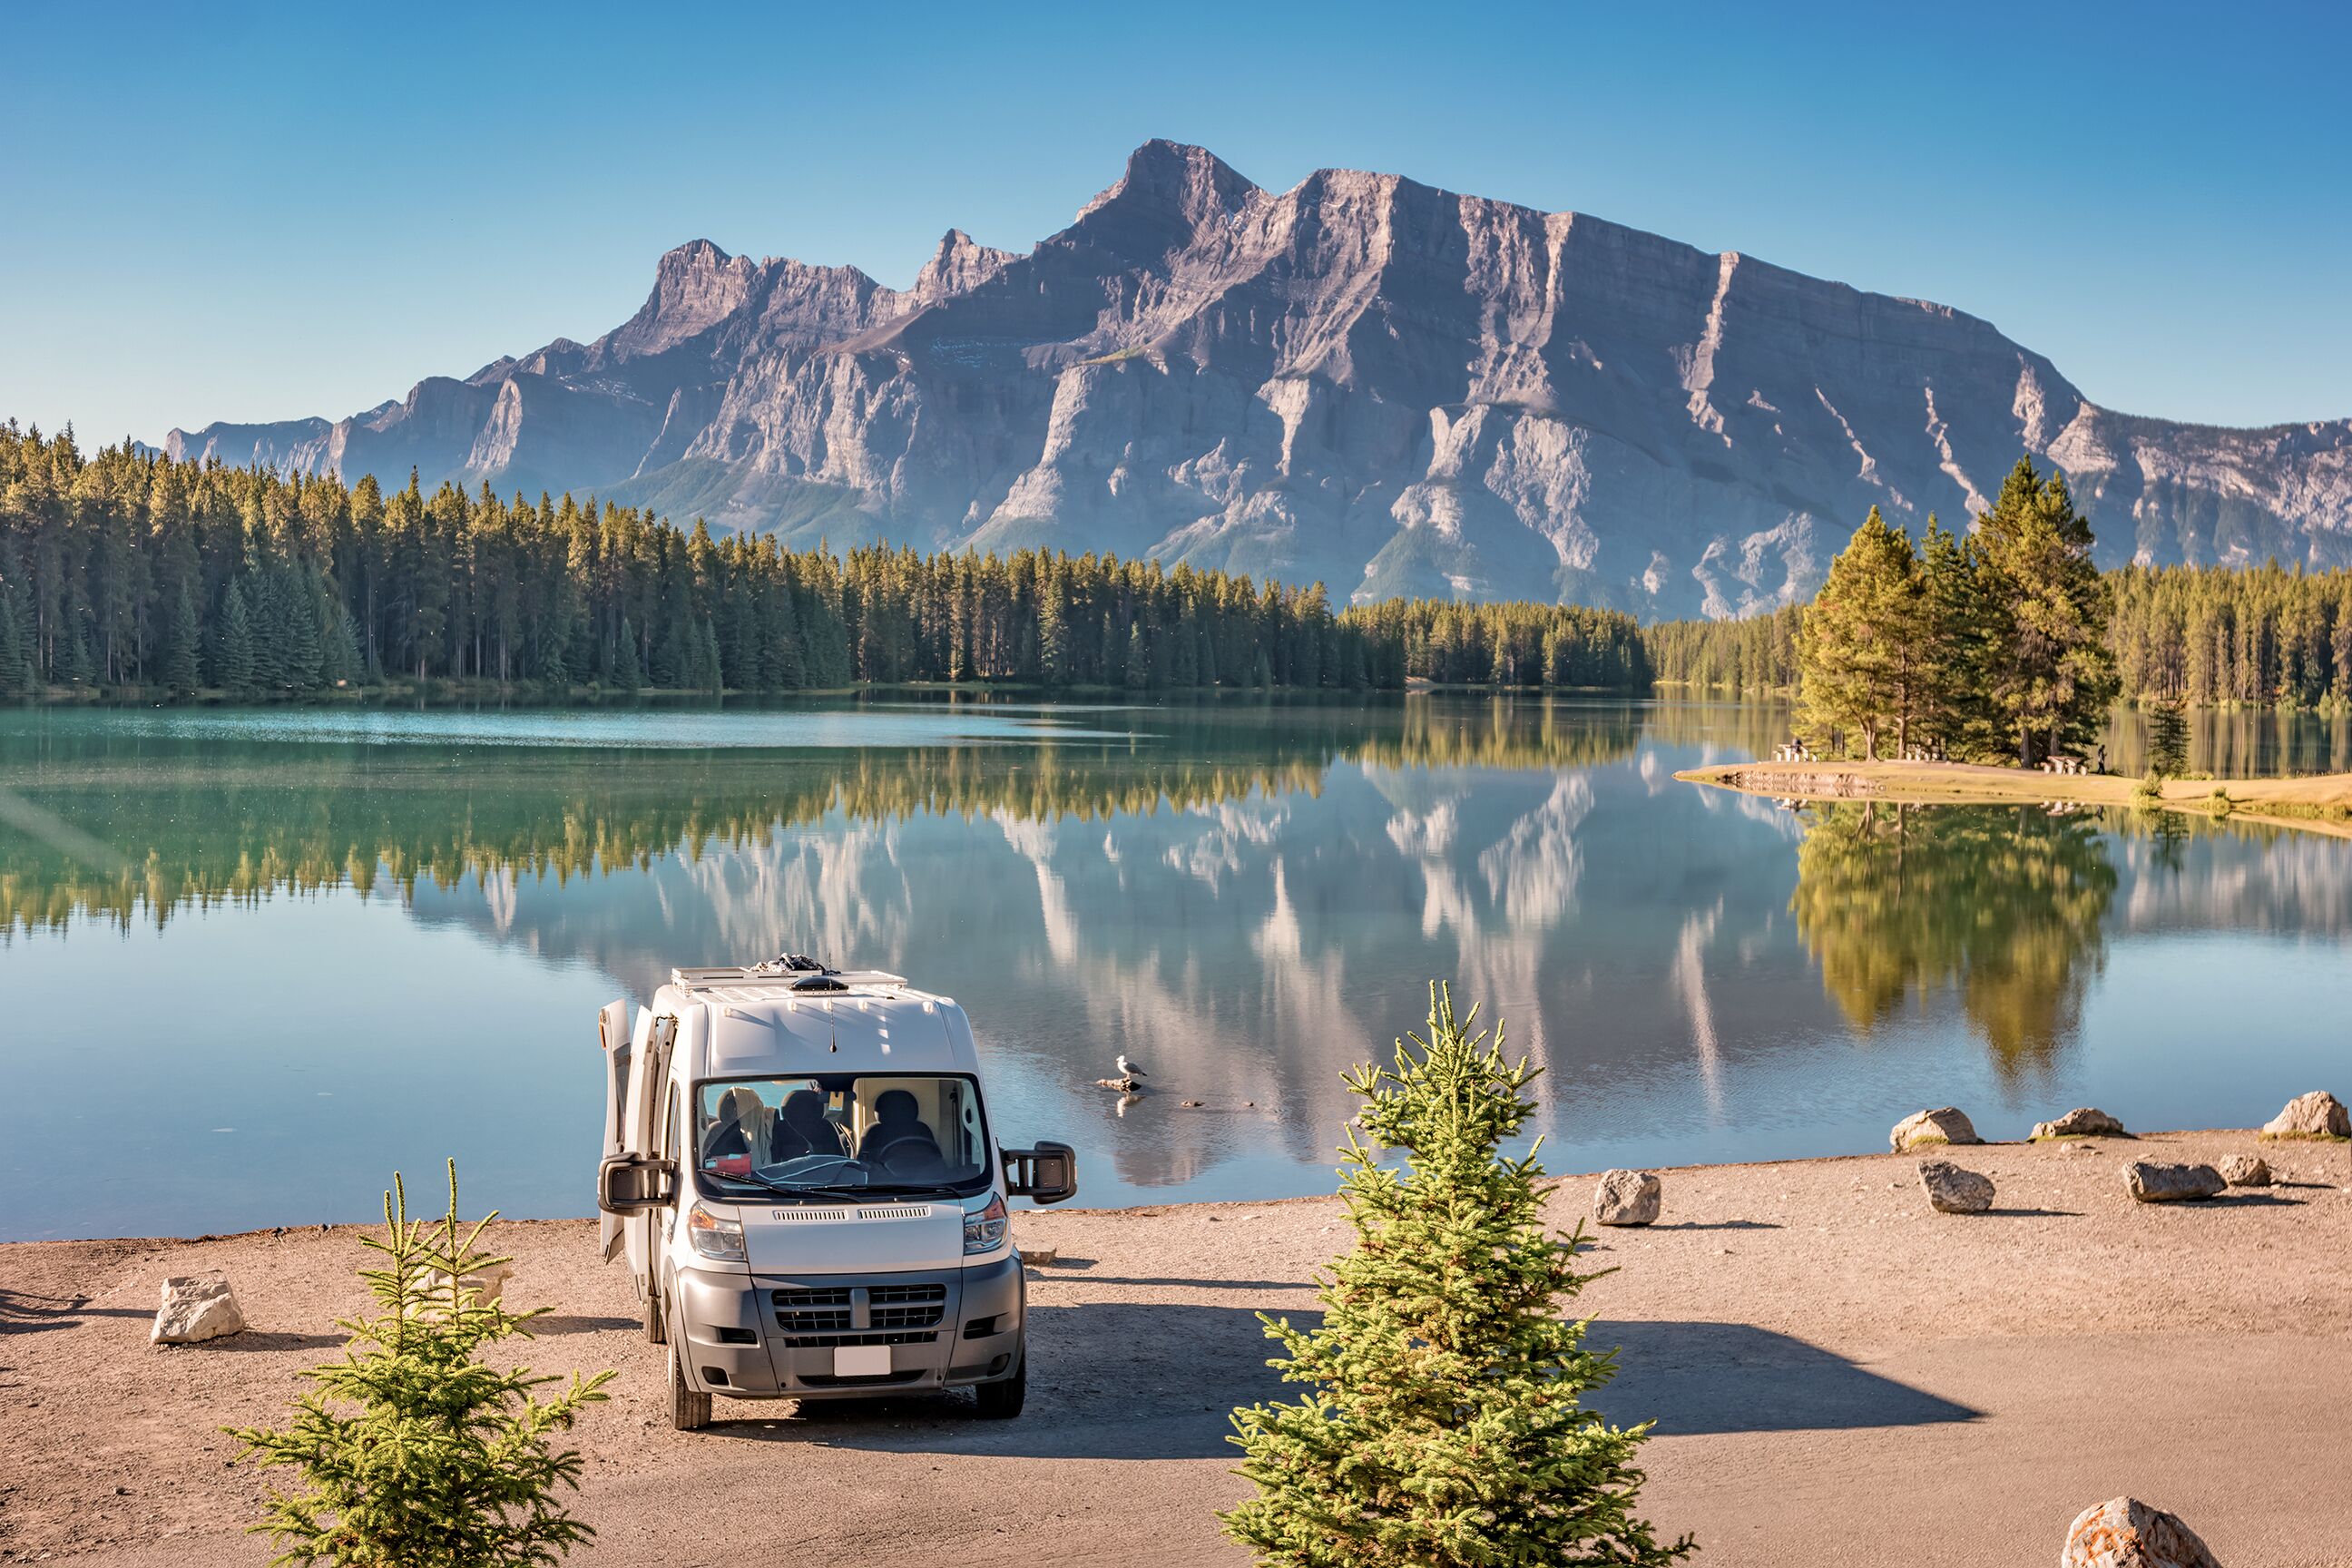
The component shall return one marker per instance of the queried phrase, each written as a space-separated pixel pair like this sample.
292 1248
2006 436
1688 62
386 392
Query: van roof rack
791 970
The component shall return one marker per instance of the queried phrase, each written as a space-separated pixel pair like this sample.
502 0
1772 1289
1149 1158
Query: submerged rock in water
2125 1532
196 1307
1952 1190
2082 1121
1923 1129
2151 1182
2318 1114
1627 1197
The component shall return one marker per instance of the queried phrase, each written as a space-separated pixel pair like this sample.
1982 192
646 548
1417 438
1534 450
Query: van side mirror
630 1183
1045 1174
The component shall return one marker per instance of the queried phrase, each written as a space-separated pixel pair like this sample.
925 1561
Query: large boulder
196 1307
1925 1128
2082 1121
2318 1114
2246 1170
2152 1183
1627 1197
1954 1191
2125 1532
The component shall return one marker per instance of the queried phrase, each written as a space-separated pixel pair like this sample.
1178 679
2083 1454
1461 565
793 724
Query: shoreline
1813 1340
2320 803
1551 1182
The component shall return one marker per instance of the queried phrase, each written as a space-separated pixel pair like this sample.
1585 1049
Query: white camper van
799 1172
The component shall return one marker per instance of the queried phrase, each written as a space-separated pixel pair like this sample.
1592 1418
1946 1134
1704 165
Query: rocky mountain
1388 387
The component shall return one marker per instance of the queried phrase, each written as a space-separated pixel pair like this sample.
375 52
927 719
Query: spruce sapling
1441 1426
413 1452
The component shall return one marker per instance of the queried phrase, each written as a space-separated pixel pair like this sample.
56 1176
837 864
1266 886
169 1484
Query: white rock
1627 1197
1921 1128
2246 1170
2125 1532
2314 1115
196 1307
1952 1190
490 1284
2153 1183
2082 1121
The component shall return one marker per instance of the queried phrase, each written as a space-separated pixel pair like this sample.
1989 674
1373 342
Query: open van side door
641 1133
614 1038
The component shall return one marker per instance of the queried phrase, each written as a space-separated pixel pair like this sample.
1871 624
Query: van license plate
861 1361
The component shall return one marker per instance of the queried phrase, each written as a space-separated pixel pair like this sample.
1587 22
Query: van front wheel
1002 1400
688 1411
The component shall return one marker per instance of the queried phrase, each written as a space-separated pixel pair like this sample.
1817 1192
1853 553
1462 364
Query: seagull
1129 1069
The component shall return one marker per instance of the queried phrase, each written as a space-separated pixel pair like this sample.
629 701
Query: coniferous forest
122 571
2202 636
128 571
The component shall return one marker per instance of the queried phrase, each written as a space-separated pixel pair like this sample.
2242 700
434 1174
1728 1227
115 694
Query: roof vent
819 982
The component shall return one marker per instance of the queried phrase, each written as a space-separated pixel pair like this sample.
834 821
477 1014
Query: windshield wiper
752 1178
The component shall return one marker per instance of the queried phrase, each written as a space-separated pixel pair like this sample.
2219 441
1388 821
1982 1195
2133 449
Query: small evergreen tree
414 1453
1443 1428
2168 738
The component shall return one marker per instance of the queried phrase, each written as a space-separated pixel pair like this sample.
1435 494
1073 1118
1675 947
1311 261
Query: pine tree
627 676
232 647
340 663
1138 658
1859 646
182 672
2168 739
15 667
1444 1427
2048 672
413 1451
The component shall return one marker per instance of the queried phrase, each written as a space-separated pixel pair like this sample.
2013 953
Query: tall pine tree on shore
2042 653
1859 646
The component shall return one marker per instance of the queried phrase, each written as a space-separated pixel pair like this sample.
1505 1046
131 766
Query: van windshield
832 1133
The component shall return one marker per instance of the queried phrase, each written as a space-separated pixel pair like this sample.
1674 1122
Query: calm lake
255 960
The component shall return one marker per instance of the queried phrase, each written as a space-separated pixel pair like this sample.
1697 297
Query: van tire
688 1411
1003 1400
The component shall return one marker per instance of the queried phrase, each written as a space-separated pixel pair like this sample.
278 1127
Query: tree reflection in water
2005 904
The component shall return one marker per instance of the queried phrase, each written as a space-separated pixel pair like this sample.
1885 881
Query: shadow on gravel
556 1323
1130 1381
26 1314
1110 1380
1695 1378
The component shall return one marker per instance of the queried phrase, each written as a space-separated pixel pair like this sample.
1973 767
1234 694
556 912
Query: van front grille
813 1311
856 1310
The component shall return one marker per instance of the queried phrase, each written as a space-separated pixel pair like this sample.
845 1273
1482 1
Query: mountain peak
960 265
1362 379
1174 181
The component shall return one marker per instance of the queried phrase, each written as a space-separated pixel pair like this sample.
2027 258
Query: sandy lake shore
2316 803
1840 1375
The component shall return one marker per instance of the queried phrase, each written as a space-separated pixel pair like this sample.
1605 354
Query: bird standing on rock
1129 1069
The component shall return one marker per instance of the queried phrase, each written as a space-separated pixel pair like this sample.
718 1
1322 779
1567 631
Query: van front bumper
777 1337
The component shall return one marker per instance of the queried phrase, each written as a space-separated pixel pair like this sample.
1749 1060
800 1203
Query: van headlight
724 1239
984 1231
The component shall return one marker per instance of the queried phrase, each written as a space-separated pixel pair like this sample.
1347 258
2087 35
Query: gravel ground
1839 1375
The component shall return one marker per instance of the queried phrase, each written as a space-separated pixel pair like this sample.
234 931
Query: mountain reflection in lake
270 958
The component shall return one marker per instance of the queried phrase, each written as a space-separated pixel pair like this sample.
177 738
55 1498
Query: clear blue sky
224 212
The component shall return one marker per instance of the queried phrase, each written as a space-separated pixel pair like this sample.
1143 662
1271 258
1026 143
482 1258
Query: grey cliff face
1363 379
